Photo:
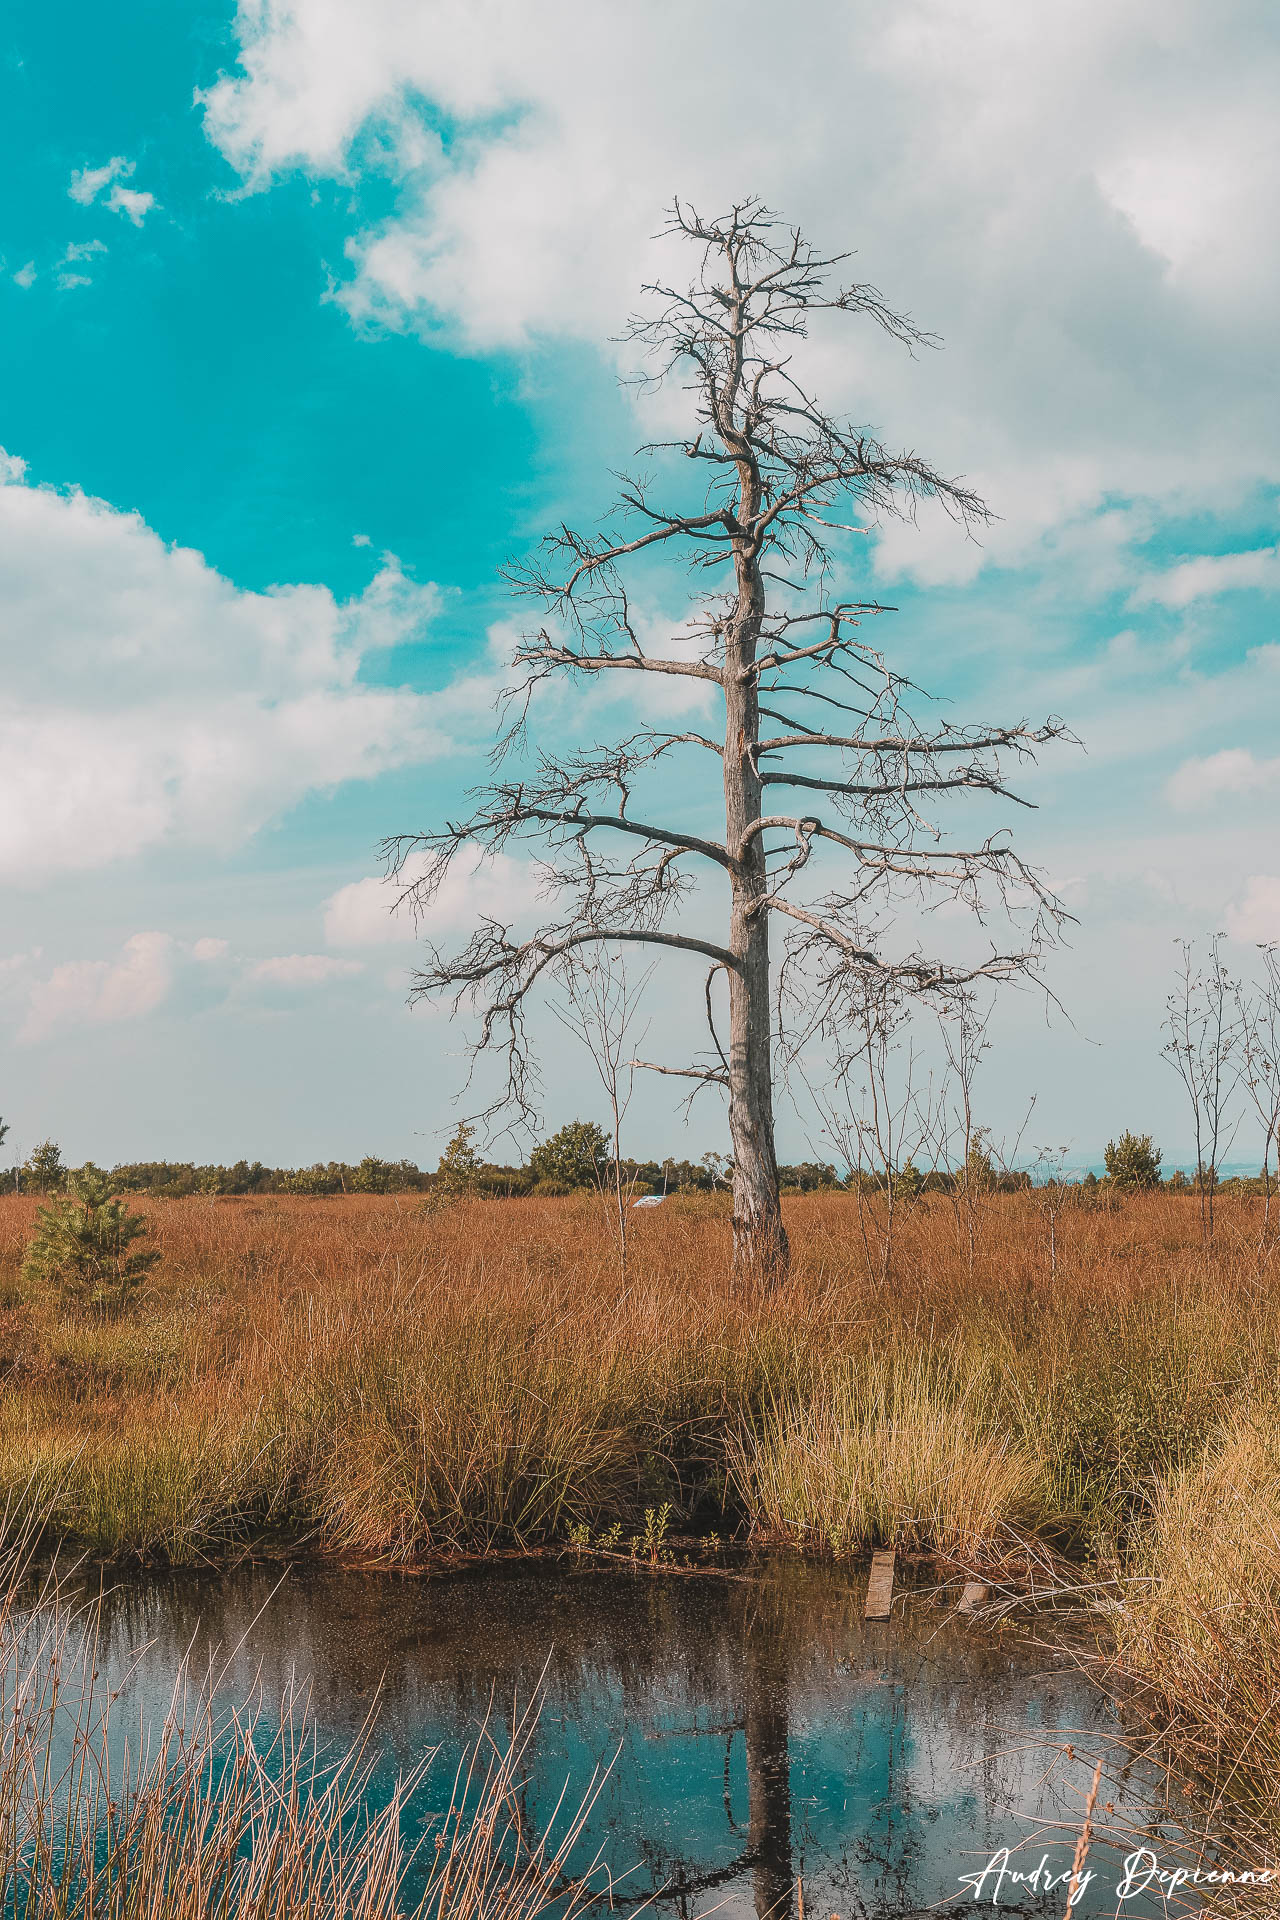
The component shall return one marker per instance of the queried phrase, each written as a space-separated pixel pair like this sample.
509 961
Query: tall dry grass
392 1384
241 1813
1200 1632
888 1453
363 1378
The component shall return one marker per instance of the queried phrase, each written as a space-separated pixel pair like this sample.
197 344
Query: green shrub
44 1170
1133 1163
574 1157
458 1174
84 1243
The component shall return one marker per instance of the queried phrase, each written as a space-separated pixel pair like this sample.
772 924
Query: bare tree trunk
769 1780
760 1247
760 1244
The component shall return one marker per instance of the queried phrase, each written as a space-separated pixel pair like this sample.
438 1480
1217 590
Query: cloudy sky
306 314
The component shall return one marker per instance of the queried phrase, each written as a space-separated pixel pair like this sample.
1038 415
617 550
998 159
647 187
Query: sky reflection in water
763 1731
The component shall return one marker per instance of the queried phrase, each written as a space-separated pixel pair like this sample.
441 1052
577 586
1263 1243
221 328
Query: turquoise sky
305 315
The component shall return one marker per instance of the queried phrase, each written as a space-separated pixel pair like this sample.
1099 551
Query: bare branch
765 492
713 1075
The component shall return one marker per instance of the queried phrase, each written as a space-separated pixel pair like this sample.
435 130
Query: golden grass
1201 1630
240 1813
372 1380
391 1384
890 1456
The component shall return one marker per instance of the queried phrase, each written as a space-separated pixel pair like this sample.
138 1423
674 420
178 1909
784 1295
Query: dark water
758 1732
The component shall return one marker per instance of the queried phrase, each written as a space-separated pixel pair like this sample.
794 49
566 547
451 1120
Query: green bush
575 1157
84 1243
44 1170
1133 1163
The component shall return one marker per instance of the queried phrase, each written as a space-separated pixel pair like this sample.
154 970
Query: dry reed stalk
389 1383
240 1813
383 1382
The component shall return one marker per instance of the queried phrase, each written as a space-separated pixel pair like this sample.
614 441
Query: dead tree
1207 1047
820 817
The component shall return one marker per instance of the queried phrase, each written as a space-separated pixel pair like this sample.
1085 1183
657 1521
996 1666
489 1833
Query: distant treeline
177 1179
579 1158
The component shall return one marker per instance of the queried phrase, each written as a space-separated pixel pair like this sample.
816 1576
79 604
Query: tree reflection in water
758 1732
768 1753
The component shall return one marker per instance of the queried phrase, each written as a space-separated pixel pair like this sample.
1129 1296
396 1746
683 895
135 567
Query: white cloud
145 701
75 256
88 182
1208 574
152 970
371 912
25 276
1082 201
1256 918
302 970
100 992
1235 772
133 204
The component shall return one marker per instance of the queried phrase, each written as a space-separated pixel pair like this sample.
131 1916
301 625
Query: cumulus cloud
1083 202
302 970
1235 773
1209 574
1256 918
87 183
100 992
152 970
77 255
146 701
373 912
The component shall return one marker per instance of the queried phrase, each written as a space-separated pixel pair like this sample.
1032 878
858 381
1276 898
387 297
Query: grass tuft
890 1456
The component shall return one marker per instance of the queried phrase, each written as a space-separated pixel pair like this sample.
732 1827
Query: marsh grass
362 1378
242 1813
890 1455
388 1384
1200 1632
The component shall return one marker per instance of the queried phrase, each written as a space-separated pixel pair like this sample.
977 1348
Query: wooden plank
880 1586
975 1595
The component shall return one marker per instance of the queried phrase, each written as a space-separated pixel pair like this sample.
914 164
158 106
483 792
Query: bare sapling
1206 1046
1259 1021
1051 1193
966 1043
812 821
878 1111
600 1009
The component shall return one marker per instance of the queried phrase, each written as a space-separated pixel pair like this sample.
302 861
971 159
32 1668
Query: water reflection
758 1734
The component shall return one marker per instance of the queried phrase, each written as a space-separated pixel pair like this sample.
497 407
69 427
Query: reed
366 1379
393 1384
241 1813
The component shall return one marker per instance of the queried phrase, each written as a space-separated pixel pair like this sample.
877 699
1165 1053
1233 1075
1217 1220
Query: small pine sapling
44 1170
458 1173
84 1243
1133 1163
